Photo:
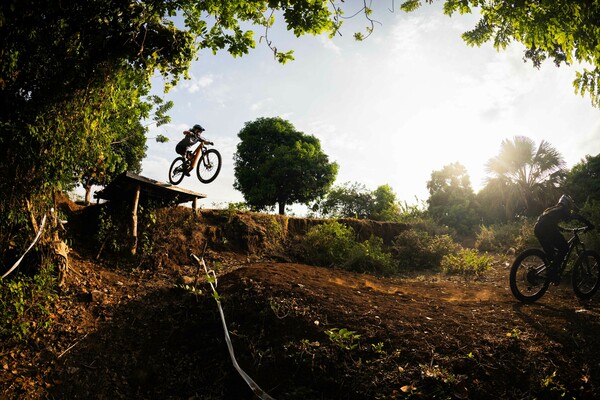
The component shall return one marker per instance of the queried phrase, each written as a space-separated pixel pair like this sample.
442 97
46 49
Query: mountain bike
206 161
528 274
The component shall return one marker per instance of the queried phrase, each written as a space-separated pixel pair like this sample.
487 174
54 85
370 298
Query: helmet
198 127
566 201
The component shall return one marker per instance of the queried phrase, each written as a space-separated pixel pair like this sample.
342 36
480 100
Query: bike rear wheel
177 171
209 166
528 276
586 274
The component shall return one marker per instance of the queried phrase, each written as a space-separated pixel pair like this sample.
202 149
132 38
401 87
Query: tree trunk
134 221
88 194
281 208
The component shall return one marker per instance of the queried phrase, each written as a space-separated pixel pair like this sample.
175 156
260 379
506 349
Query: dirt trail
302 332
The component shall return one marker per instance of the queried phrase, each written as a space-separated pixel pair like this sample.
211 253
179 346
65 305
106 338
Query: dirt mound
301 332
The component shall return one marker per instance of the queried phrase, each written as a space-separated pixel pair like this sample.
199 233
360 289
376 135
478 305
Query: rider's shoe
553 277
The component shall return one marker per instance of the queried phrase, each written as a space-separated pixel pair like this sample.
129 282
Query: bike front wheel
586 274
177 171
209 166
528 276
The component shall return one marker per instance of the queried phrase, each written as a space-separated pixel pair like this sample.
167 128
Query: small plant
343 338
466 262
234 208
378 348
25 304
551 382
514 334
189 288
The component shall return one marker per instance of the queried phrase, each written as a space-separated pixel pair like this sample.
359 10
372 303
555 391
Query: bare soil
130 331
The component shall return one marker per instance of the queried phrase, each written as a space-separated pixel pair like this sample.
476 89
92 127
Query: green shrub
328 244
485 239
25 304
333 244
419 249
525 238
466 262
501 237
369 256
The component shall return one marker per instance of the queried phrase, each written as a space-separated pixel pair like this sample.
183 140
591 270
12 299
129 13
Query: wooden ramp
135 190
129 185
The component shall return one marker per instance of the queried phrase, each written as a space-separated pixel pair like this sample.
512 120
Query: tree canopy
451 200
354 200
564 31
525 176
275 164
583 180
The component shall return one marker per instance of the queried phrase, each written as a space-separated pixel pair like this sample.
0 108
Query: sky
405 102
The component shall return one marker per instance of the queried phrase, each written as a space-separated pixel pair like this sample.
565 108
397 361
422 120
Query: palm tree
528 177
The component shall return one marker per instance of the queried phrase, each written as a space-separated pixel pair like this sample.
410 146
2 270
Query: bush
328 244
370 257
419 249
525 238
501 237
25 304
333 244
466 262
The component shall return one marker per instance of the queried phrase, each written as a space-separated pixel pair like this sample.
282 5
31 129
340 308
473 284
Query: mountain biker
547 232
192 136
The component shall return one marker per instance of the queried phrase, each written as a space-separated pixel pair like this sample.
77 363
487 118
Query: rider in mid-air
548 233
192 136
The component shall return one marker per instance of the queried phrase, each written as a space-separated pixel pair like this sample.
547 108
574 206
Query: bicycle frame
197 153
575 246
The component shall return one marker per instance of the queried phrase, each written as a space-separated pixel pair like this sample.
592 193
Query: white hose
29 248
255 388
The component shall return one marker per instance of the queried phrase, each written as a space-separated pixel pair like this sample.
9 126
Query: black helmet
198 127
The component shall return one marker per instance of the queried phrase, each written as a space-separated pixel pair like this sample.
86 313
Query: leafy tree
71 71
564 31
125 141
583 180
274 163
350 200
451 198
385 206
353 200
527 178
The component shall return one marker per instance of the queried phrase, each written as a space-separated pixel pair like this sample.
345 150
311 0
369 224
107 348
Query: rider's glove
211 143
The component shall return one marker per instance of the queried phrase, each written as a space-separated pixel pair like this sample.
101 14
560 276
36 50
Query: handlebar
578 229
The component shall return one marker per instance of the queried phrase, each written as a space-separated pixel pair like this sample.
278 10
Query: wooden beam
134 220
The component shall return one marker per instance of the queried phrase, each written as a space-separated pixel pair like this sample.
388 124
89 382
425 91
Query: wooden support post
134 210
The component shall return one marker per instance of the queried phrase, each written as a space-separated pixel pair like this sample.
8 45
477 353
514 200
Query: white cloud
261 105
194 84
328 44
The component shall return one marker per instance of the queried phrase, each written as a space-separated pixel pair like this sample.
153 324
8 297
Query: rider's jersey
189 140
554 215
